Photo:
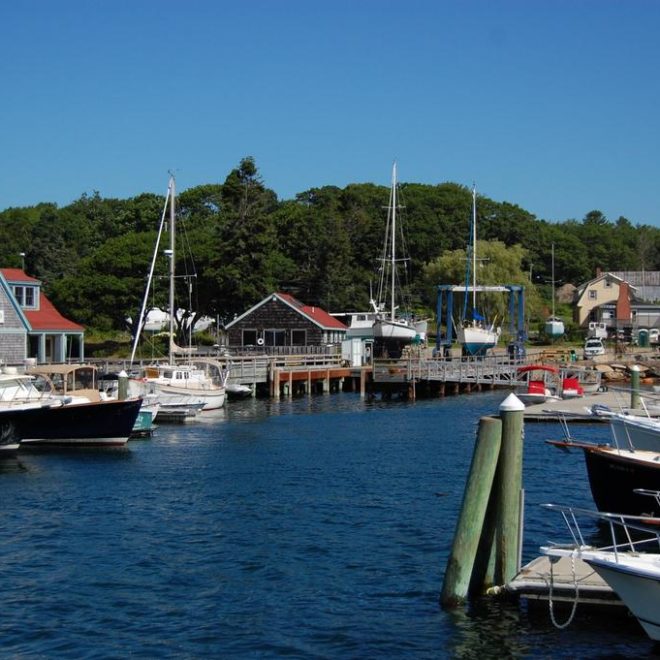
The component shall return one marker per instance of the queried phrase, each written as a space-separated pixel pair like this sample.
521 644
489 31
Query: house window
249 337
298 337
593 295
25 296
274 337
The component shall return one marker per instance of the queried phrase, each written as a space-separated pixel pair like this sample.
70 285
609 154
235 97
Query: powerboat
630 563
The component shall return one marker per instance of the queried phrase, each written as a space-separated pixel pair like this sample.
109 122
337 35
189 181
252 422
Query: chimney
598 271
623 311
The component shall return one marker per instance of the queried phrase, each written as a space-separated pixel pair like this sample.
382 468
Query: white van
597 329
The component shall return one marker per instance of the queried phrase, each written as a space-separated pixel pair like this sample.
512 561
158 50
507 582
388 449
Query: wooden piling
509 485
635 378
473 511
122 386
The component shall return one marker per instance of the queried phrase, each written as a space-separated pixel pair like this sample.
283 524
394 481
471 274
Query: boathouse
30 326
280 320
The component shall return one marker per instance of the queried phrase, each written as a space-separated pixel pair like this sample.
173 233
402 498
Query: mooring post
635 378
122 386
509 485
473 511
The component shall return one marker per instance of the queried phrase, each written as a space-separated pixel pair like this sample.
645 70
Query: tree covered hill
323 246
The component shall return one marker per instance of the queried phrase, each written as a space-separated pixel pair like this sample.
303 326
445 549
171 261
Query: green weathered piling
122 386
508 487
473 511
635 376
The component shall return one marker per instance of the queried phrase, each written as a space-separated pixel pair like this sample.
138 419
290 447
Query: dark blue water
313 528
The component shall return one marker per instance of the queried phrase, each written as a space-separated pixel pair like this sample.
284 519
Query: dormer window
26 296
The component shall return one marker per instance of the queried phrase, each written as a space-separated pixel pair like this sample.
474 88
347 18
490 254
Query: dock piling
635 379
473 512
509 485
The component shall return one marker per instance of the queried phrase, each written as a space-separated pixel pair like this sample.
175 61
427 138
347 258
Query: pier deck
534 580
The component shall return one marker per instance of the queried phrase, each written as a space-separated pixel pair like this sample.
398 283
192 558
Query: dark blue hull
101 423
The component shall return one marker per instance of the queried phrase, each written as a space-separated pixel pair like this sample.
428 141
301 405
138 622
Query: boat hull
638 588
613 476
104 423
212 398
554 328
476 341
397 330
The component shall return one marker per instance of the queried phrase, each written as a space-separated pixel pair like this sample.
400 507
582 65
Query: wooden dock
535 580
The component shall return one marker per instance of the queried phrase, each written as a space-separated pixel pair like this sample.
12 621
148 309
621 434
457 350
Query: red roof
315 313
48 318
17 275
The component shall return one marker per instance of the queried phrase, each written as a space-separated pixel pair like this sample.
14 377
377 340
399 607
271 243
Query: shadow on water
495 627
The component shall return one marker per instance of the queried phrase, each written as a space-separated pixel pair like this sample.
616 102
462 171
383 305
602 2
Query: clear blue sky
550 104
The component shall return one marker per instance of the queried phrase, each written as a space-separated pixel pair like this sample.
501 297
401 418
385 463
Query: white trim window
26 296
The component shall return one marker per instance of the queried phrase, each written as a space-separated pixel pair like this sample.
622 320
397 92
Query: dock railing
494 371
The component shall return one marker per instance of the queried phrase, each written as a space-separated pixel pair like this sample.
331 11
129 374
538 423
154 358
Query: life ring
260 341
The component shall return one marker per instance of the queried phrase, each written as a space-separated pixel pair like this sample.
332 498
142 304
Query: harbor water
313 528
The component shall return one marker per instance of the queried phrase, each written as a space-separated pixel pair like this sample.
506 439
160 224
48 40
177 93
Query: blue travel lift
516 348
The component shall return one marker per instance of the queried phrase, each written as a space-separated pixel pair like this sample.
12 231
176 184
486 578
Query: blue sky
550 104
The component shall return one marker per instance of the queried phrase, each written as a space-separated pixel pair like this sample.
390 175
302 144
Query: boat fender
260 341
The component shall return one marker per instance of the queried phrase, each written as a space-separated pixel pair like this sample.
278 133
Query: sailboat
176 383
474 334
388 324
554 326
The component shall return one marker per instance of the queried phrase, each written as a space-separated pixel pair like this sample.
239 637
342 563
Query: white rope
568 622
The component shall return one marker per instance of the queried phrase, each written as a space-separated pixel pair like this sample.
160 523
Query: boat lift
516 314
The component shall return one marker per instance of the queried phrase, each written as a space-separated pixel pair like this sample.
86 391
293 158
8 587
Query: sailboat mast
172 243
553 281
393 255
474 248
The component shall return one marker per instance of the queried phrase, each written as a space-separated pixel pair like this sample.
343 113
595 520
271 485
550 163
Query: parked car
592 347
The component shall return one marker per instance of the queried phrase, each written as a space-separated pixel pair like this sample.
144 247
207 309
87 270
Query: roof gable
315 314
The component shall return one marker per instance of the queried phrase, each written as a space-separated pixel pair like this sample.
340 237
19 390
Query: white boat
173 379
554 326
630 564
390 323
474 334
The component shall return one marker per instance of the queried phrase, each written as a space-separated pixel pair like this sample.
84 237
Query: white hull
636 432
212 398
554 328
637 582
399 330
476 340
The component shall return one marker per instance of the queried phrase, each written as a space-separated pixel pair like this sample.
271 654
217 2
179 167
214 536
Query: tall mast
393 255
172 243
553 281
474 248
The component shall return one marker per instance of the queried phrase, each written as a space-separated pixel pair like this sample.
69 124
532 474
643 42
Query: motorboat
540 383
629 563
614 475
91 424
